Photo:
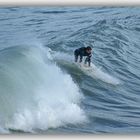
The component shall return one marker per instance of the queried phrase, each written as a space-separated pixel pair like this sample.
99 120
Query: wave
94 72
99 74
35 93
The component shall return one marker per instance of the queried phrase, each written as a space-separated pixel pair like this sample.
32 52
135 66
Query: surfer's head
88 49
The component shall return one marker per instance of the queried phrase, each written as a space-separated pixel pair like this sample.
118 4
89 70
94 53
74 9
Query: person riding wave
83 51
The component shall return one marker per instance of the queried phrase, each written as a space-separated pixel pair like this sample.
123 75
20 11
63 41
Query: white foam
40 95
93 71
99 74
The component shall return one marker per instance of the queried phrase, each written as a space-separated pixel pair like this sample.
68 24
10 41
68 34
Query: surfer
83 51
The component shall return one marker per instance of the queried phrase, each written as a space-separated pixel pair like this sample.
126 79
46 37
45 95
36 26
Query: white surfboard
97 73
92 71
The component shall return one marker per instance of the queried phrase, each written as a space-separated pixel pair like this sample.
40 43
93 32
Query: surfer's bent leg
81 57
76 56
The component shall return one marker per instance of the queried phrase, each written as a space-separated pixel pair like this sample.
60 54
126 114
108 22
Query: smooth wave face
41 91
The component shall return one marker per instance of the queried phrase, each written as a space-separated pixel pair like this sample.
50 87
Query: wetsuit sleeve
88 59
81 57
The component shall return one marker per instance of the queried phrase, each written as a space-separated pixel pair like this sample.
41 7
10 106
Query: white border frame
69 3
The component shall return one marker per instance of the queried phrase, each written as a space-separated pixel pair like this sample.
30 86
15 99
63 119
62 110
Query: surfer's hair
88 48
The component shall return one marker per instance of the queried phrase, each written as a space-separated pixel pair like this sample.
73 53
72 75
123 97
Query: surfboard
84 67
96 73
92 71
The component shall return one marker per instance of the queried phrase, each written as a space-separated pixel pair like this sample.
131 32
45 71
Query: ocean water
42 92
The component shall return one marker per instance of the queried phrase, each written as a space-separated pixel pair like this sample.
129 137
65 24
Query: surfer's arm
81 57
88 59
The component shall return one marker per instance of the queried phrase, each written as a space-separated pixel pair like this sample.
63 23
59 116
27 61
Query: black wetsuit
82 52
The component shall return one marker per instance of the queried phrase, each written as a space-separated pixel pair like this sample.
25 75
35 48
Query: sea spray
35 93
94 72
